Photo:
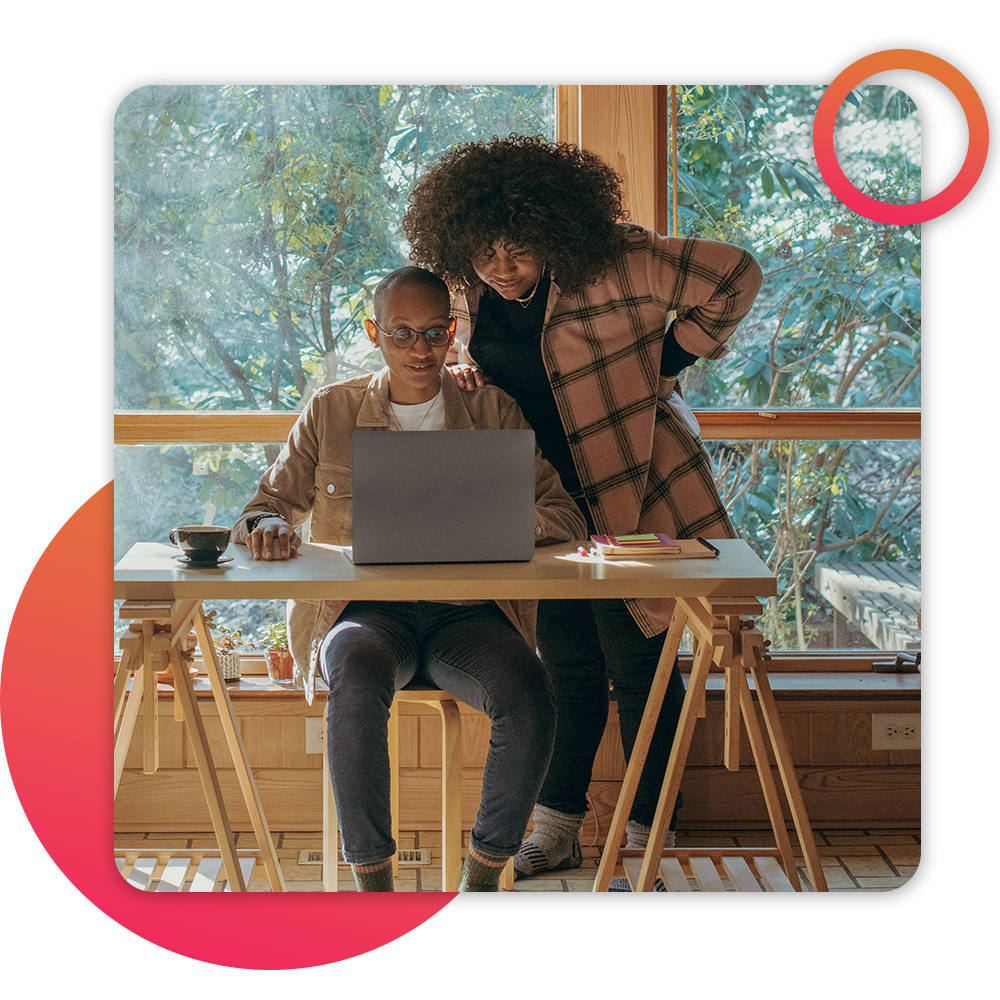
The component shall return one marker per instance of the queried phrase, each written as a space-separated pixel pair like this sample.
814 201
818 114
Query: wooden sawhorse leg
158 633
722 636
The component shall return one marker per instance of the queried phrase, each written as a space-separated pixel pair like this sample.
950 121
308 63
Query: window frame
145 427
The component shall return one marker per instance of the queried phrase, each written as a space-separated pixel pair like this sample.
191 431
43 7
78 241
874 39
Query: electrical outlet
315 737
895 731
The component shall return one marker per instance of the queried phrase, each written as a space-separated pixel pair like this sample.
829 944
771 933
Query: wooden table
150 573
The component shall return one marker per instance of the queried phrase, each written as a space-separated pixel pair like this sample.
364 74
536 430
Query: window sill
813 685
810 686
828 674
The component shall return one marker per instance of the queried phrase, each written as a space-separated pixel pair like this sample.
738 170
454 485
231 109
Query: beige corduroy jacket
312 477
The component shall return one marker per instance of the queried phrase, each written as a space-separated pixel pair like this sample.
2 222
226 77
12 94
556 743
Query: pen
707 545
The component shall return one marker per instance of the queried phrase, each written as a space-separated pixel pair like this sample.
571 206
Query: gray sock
481 873
376 877
637 835
554 844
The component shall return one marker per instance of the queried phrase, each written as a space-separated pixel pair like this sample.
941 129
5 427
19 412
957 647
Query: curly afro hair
560 203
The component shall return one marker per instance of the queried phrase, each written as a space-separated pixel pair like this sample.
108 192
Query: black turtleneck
507 345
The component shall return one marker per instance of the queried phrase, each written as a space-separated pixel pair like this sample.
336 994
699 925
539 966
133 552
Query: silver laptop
443 496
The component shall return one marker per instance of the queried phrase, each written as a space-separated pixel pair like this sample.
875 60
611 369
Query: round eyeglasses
404 337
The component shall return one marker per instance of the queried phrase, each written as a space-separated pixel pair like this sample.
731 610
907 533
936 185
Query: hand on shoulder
468 377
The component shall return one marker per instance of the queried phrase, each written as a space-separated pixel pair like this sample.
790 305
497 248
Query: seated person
481 651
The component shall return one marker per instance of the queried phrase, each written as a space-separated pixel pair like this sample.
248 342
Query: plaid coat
635 443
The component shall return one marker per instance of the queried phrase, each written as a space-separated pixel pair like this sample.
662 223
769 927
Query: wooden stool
156 637
722 635
451 792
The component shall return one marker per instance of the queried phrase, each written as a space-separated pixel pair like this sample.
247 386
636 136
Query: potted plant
228 644
279 659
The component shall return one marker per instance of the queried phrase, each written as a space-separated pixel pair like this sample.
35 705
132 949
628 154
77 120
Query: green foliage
224 638
276 635
252 222
837 324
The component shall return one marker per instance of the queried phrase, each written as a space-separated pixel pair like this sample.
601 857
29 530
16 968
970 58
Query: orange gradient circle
944 73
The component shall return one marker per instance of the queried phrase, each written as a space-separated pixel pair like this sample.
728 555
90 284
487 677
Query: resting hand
273 538
468 377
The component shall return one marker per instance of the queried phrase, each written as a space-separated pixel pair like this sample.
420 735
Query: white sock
554 844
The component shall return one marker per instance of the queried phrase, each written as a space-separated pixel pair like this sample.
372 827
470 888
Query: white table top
149 571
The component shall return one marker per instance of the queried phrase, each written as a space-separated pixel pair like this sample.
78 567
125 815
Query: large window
251 226
836 328
253 222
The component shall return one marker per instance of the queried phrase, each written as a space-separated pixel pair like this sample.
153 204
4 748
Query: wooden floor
853 860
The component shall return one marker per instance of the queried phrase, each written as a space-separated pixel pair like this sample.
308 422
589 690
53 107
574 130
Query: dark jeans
583 645
375 649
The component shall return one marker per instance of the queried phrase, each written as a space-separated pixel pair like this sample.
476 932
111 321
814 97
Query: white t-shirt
427 416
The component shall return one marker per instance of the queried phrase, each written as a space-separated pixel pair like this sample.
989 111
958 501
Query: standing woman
564 306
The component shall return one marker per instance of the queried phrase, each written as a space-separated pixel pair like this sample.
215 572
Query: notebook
443 496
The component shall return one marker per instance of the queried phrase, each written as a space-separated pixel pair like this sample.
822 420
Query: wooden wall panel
172 800
845 783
